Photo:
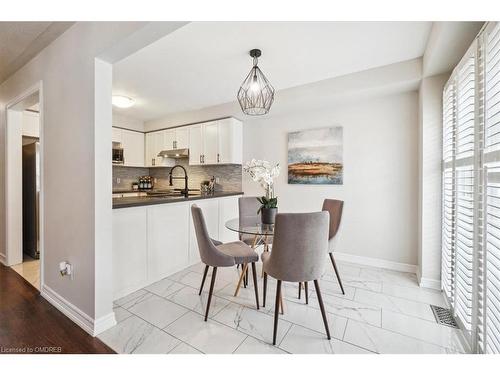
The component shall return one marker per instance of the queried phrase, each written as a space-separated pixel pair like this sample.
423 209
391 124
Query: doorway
23 157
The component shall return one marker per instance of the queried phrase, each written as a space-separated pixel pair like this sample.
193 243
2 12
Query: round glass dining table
257 229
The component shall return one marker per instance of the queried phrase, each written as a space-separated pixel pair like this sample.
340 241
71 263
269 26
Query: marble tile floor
382 311
29 269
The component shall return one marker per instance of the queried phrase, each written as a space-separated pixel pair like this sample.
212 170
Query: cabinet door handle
203 158
200 158
153 161
218 158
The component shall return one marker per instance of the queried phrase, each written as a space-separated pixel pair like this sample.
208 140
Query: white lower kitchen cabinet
228 209
153 242
164 255
130 252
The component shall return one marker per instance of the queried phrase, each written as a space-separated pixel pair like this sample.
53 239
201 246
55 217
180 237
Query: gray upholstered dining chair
334 207
300 243
248 207
220 255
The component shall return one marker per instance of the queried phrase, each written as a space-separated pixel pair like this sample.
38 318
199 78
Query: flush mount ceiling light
256 95
122 101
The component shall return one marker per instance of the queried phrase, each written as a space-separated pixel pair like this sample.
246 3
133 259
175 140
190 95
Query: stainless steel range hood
175 154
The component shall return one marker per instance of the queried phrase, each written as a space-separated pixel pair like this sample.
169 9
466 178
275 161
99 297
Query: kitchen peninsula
153 233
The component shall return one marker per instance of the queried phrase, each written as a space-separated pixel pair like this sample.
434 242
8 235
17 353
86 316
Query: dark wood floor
29 324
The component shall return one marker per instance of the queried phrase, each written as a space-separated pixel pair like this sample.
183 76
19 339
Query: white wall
430 155
72 141
380 172
127 122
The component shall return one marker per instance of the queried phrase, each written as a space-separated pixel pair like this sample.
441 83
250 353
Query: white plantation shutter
471 191
465 181
492 281
448 194
479 257
490 329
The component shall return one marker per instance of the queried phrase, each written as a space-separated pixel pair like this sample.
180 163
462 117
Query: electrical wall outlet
118 180
217 180
66 269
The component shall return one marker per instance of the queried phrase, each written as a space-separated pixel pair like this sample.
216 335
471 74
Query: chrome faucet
185 191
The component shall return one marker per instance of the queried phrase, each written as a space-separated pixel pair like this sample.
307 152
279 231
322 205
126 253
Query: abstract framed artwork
315 156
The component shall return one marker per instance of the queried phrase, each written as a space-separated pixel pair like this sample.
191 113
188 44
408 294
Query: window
491 157
471 191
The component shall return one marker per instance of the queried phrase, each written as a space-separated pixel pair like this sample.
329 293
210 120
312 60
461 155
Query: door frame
36 88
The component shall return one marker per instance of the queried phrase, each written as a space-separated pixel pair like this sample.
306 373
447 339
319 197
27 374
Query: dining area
295 249
276 283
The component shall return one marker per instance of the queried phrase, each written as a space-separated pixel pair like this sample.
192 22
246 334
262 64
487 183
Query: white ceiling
203 63
21 41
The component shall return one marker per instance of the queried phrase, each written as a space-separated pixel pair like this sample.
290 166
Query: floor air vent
444 316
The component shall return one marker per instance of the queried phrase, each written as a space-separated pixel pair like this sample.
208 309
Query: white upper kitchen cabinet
210 143
169 139
117 135
182 137
230 141
195 144
149 150
216 142
155 143
133 148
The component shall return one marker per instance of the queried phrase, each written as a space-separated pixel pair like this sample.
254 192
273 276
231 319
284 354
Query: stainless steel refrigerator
31 191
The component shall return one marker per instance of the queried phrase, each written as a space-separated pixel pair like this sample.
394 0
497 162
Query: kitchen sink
171 194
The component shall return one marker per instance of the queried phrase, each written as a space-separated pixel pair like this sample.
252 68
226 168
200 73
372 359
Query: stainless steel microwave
117 154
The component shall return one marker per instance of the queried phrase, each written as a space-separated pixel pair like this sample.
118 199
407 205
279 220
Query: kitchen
156 176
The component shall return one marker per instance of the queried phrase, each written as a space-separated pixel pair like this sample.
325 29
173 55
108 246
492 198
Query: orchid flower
261 171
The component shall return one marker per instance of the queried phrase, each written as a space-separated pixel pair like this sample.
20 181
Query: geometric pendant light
256 95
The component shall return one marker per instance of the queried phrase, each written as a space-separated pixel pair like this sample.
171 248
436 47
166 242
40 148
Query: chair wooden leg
264 291
276 308
203 280
255 286
336 272
306 291
242 275
322 307
212 283
300 290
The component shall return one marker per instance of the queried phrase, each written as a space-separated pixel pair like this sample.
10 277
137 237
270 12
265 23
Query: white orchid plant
262 172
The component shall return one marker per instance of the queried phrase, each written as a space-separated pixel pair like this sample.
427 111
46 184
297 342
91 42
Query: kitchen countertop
147 201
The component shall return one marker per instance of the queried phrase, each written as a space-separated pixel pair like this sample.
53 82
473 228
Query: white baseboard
374 262
104 323
84 321
429 283
425 282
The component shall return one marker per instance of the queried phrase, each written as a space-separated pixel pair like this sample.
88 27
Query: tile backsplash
127 175
229 176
